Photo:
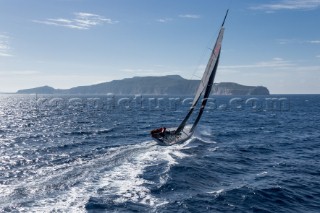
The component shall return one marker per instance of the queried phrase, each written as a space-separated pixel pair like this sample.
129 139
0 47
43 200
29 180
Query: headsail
206 80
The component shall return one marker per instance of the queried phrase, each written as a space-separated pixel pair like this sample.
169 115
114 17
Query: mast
206 80
225 17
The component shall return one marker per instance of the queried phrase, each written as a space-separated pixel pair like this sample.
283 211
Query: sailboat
170 136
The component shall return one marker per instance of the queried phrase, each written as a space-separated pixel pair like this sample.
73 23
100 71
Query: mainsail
206 82
177 135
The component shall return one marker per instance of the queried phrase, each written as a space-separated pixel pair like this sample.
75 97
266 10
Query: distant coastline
152 85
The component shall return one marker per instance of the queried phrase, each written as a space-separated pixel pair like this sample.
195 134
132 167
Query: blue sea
95 154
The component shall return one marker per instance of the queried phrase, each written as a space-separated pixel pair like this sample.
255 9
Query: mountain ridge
152 85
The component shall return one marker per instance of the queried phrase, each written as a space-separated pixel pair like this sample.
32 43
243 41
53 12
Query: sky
67 43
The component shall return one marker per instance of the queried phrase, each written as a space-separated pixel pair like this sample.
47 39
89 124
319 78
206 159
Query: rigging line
205 53
198 67
230 3
208 46
196 76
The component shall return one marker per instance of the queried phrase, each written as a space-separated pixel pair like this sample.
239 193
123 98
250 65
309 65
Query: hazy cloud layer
81 21
189 16
164 20
18 72
186 16
274 63
4 46
315 42
289 5
297 41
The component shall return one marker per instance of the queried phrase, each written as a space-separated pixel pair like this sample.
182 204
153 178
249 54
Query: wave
91 132
130 181
117 174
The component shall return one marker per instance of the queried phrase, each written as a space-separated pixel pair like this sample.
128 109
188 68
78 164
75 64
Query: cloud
297 41
317 56
274 63
192 16
289 5
5 54
187 16
4 46
274 67
314 42
288 41
19 72
164 20
81 21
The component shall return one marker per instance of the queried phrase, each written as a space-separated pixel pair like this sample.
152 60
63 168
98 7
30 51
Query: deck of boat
168 140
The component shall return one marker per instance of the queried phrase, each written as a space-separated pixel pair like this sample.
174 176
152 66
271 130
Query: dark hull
172 139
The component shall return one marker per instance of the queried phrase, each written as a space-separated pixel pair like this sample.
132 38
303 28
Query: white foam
72 201
217 192
125 181
213 149
262 173
118 173
206 132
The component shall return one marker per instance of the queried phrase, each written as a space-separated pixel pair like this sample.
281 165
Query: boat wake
123 174
146 168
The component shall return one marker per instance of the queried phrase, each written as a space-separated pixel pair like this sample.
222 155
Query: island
152 85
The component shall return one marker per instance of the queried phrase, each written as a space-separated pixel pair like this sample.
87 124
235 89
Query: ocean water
95 154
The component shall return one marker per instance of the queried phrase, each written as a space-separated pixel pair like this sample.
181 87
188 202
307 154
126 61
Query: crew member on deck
158 132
